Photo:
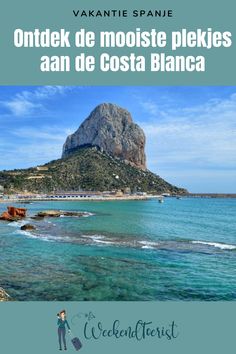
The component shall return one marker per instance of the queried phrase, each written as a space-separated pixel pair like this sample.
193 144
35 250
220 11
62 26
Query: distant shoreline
211 195
114 198
78 199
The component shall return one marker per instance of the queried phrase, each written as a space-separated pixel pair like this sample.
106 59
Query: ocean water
123 250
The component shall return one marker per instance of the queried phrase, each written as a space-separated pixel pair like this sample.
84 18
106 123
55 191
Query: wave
18 223
120 242
53 235
98 239
104 242
29 234
25 233
148 244
86 214
222 246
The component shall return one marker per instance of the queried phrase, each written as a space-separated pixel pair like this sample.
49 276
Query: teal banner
107 327
60 42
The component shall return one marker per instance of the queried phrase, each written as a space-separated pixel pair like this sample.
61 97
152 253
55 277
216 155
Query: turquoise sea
123 250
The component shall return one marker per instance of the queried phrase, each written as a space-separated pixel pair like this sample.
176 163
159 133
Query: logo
110 329
63 328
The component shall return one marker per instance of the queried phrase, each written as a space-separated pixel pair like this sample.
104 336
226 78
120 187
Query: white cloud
152 108
21 107
44 133
28 102
45 92
201 136
36 146
31 154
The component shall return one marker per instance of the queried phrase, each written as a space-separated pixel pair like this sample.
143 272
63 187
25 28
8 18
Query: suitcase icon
76 343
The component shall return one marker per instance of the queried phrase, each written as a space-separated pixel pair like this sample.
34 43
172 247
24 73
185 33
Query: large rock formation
106 153
112 129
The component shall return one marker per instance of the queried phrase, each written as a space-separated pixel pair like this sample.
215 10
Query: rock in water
13 214
4 295
112 129
28 227
58 213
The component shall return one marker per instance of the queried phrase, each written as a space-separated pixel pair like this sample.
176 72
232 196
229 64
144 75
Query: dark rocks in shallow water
49 213
28 227
36 217
4 295
72 213
58 213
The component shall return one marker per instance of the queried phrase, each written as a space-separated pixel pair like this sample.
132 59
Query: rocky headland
112 130
106 153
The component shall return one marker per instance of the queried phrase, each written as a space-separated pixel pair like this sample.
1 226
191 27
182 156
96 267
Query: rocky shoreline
4 295
16 214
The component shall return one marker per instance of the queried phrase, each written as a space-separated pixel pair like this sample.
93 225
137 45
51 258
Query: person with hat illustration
62 323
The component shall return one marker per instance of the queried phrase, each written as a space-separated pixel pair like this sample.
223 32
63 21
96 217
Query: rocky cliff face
112 129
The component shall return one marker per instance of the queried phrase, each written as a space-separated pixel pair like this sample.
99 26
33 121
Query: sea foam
18 223
148 244
222 246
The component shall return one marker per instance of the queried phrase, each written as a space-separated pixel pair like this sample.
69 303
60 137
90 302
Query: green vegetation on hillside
89 169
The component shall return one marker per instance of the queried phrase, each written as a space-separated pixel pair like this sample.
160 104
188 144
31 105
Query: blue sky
191 131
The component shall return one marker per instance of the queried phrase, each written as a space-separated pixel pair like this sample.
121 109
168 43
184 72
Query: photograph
117 193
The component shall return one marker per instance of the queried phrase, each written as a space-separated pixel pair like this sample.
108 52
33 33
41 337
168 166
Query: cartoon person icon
62 323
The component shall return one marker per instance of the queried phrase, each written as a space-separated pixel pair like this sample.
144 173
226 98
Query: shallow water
123 250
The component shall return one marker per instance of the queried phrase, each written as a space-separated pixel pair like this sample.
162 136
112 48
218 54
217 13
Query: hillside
88 168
